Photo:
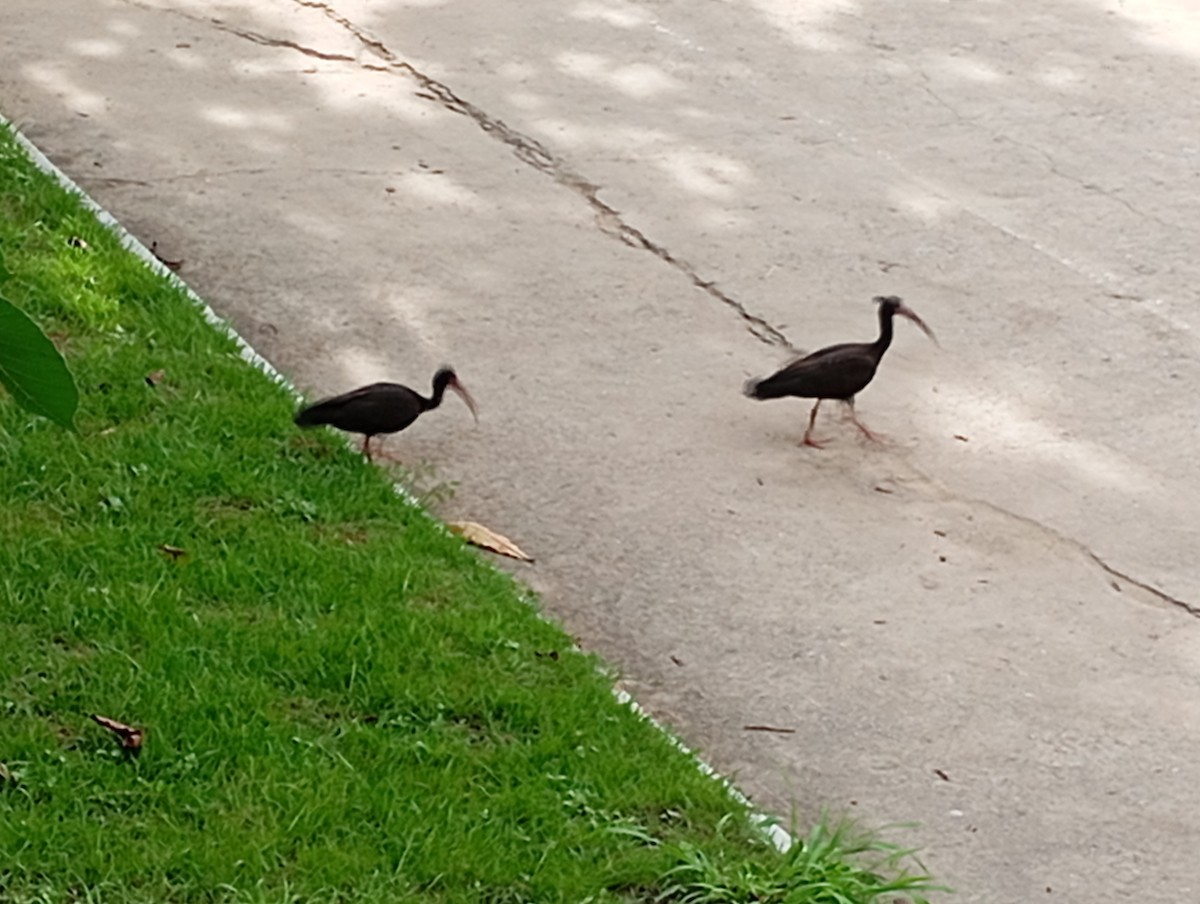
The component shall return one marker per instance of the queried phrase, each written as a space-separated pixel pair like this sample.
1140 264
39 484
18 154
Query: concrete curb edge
769 826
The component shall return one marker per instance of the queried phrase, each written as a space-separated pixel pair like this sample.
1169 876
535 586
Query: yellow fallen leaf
478 535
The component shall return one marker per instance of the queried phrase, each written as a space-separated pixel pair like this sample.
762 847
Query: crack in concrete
528 150
267 41
1157 593
252 36
1052 165
610 221
958 115
533 153
1161 595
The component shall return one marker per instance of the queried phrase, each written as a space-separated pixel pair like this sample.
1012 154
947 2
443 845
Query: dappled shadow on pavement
606 215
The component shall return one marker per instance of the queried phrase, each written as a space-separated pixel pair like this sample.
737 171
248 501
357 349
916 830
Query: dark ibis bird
382 407
838 372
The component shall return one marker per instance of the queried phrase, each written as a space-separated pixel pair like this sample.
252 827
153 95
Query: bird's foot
879 438
376 453
815 443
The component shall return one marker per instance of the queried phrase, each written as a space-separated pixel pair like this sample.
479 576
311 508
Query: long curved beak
461 391
906 311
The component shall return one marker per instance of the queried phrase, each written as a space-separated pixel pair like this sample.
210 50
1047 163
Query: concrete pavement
607 214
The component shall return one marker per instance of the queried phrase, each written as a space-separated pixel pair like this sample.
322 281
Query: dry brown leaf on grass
478 535
131 738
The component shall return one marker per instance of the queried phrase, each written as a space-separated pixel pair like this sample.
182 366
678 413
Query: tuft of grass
340 700
835 863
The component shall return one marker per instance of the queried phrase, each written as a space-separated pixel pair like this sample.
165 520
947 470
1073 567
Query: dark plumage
838 372
381 407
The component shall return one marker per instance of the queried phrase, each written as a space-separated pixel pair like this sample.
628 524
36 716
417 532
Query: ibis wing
368 409
832 373
839 349
327 410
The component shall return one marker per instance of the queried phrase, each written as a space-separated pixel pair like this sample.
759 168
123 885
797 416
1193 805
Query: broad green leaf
32 369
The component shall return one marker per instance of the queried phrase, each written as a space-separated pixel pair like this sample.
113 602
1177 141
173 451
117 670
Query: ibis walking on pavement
382 407
838 372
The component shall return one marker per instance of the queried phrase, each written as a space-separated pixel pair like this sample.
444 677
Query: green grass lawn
341 701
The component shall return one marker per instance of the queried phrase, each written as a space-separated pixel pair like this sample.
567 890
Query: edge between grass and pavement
320 694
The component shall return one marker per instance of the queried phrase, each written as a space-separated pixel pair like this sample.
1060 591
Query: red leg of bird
872 436
812 421
378 453
386 456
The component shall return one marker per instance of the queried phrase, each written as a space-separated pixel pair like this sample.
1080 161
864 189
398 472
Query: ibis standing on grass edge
838 372
381 407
